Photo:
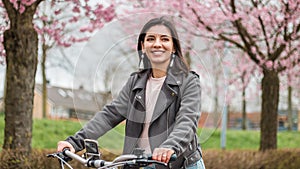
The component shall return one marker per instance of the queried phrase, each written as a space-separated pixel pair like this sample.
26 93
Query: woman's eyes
165 39
150 39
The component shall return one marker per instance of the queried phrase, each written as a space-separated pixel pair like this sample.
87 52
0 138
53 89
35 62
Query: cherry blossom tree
63 24
261 29
20 44
21 50
263 36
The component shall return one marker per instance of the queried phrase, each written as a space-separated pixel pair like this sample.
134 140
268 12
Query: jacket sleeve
111 115
186 121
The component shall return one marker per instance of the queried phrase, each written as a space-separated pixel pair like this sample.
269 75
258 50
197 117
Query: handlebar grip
172 158
65 156
65 149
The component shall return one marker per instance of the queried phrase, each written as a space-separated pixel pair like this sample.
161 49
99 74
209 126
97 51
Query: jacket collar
172 79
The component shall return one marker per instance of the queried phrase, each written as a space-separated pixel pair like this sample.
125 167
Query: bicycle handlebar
127 159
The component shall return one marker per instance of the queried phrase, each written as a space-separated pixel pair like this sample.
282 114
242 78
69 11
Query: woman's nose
157 43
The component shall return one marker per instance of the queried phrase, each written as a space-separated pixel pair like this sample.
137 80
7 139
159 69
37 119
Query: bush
213 159
251 159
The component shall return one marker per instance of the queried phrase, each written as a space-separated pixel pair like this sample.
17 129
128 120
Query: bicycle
92 159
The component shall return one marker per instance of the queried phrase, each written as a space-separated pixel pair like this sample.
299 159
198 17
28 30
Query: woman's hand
61 145
162 154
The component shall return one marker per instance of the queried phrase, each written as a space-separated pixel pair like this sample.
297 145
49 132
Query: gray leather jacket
174 121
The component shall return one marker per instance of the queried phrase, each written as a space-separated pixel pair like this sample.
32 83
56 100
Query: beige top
152 91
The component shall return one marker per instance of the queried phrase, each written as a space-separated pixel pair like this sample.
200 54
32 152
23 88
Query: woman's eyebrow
166 36
163 35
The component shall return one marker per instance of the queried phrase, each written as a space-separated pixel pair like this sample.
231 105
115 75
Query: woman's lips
157 53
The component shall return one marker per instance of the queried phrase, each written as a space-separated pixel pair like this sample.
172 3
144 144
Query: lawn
46 133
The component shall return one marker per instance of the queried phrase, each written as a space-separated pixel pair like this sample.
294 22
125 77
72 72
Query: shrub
251 159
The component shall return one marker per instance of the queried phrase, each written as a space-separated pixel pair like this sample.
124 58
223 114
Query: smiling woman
160 103
158 46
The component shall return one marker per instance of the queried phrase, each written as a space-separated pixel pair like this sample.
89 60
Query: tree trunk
290 110
216 102
244 120
21 45
270 97
44 83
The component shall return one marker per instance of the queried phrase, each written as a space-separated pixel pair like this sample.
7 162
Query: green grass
238 139
235 139
46 133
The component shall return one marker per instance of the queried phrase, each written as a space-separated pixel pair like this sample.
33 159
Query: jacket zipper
168 113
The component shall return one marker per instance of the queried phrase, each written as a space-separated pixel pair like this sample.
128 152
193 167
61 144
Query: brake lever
62 159
60 156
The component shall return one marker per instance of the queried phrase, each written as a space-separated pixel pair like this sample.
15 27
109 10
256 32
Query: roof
79 99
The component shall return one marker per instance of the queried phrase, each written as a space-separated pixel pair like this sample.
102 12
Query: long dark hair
179 61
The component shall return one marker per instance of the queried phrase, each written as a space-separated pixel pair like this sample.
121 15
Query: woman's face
158 46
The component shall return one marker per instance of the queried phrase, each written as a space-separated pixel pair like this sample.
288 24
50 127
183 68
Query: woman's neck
157 73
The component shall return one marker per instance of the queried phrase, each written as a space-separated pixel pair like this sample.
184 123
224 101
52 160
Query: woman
160 103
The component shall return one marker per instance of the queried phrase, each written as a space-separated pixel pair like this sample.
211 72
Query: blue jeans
198 165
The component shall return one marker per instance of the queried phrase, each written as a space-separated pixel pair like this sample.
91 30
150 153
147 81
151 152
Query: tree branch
232 42
243 34
265 34
294 63
199 19
11 11
273 56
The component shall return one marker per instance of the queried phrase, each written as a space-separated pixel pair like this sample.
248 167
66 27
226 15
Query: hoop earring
172 60
141 64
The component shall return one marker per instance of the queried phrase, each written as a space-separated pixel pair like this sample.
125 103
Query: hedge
214 159
251 159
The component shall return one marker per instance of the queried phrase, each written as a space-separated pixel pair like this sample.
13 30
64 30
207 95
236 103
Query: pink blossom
74 19
65 44
86 28
44 18
87 8
57 12
22 9
15 4
269 64
66 30
27 2
76 9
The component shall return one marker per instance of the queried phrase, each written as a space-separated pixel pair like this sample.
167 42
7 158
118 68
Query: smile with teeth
157 52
